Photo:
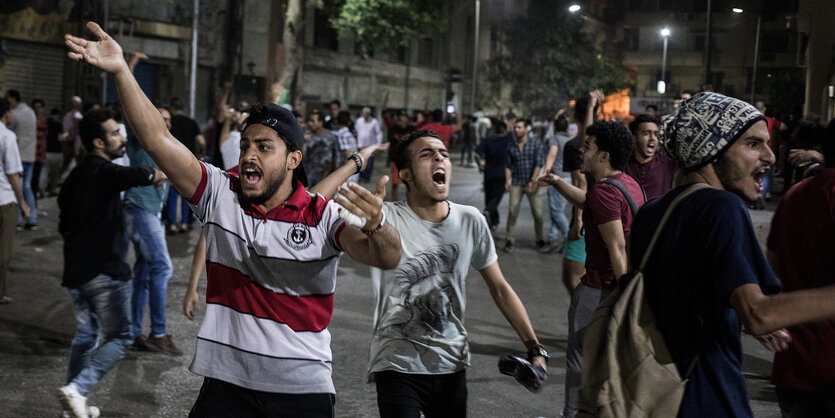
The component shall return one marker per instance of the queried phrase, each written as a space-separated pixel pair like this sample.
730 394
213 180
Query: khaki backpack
627 369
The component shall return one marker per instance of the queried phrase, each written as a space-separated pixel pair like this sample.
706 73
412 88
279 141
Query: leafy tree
549 58
391 22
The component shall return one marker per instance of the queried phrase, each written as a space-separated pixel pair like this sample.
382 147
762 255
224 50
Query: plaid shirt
522 163
346 142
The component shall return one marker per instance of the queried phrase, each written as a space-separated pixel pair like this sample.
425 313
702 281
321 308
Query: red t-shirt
445 131
656 176
801 236
604 204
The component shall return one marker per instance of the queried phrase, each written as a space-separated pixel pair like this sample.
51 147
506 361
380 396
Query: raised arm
175 160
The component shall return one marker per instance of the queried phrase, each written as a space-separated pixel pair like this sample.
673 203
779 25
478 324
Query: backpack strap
618 185
687 192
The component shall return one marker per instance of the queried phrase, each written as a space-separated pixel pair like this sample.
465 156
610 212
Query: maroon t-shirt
604 204
656 176
802 232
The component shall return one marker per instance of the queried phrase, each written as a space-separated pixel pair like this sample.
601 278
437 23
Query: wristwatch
539 350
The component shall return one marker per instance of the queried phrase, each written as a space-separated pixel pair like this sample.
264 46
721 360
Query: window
324 35
426 52
631 39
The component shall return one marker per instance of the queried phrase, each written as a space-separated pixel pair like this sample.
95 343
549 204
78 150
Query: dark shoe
31 227
530 376
140 343
173 230
5 300
184 228
508 247
165 345
540 244
552 248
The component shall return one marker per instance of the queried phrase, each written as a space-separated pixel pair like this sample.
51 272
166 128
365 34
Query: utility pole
192 80
474 82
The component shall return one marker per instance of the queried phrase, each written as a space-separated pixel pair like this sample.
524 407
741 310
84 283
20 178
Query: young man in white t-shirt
419 349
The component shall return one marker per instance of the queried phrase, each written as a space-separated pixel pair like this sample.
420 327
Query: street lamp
662 84
574 8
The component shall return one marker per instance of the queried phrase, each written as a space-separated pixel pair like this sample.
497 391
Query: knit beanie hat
704 126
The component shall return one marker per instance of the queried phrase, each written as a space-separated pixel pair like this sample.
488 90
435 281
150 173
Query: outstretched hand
367 152
105 54
546 180
363 204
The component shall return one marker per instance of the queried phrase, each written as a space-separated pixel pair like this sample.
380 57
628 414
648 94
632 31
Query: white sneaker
92 412
73 401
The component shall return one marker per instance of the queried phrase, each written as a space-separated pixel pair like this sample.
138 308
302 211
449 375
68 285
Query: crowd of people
277 196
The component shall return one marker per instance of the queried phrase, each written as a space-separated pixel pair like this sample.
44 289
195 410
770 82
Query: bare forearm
619 260
509 304
384 248
173 158
330 184
198 262
764 314
17 186
575 195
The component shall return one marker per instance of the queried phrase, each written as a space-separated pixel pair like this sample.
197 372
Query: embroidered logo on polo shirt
298 237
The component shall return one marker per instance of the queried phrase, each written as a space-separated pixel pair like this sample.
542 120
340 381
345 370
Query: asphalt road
36 330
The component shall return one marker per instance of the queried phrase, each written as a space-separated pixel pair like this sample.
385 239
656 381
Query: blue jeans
559 222
101 306
28 196
151 270
174 199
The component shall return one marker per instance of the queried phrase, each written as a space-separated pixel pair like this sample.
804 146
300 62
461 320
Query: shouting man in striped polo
272 251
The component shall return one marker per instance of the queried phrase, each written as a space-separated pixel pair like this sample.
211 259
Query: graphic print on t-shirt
425 299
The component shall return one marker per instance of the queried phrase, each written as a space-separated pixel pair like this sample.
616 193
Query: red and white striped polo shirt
271 278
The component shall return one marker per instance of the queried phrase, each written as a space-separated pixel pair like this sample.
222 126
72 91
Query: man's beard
728 175
272 187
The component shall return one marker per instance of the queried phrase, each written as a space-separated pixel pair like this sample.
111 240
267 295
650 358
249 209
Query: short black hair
651 106
90 127
13 94
343 118
43 104
55 112
527 122
176 103
500 126
400 151
315 112
614 138
5 105
560 124
635 124
336 102
296 114
828 145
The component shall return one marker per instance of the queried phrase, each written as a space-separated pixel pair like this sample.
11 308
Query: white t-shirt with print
420 305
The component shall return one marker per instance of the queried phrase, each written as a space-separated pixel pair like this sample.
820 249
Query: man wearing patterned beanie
707 274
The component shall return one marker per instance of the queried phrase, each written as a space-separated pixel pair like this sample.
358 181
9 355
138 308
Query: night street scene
417 208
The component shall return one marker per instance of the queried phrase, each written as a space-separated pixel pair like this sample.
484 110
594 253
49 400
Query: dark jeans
406 395
221 399
493 193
